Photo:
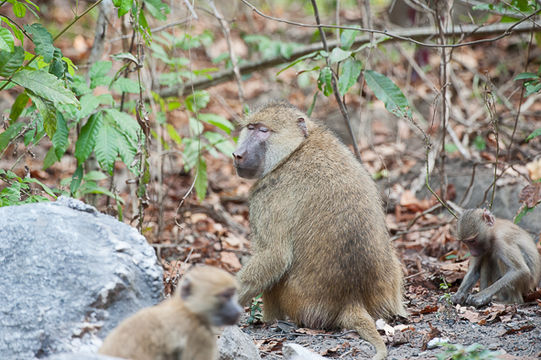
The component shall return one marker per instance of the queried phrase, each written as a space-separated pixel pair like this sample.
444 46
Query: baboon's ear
302 126
488 218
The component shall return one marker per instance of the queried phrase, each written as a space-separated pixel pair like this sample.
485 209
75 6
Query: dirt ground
514 331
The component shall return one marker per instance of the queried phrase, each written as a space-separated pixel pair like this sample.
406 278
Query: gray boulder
234 344
69 275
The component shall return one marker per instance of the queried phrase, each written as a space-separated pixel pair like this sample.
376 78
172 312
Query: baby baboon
321 251
504 259
181 326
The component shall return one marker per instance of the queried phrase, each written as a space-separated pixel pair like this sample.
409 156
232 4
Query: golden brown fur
321 250
177 328
504 259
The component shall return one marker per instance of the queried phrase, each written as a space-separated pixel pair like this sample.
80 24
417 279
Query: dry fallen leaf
230 260
530 195
534 168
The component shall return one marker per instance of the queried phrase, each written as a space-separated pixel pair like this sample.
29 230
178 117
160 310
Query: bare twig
341 104
415 33
491 107
232 56
507 32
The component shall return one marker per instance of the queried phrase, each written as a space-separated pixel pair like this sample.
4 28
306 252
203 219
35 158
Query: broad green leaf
127 150
157 9
50 158
350 73
126 85
76 179
60 138
57 67
195 126
324 82
70 65
11 61
338 55
6 40
9 134
106 145
45 85
16 31
521 214
95 176
125 122
526 76
347 38
43 41
197 101
18 107
391 95
100 69
218 121
43 186
48 113
220 142
173 134
19 9
191 152
536 132
87 137
201 180
89 103
123 6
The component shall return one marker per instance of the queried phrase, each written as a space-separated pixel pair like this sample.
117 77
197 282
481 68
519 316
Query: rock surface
69 275
234 344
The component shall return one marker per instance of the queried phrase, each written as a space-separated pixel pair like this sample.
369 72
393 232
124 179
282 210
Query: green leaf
125 122
123 6
43 186
197 101
220 142
480 143
18 107
324 82
391 95
47 112
50 158
89 103
106 145
526 76
127 150
173 134
19 9
6 40
60 138
347 38
195 126
100 69
127 85
16 31
126 56
11 61
95 176
536 132
87 137
45 85
157 9
293 63
43 41
76 179
9 134
338 55
350 73
201 180
218 121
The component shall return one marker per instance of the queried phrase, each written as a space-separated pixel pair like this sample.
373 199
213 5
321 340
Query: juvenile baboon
321 251
503 257
181 326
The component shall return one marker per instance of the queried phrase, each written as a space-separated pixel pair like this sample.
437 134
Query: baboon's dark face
249 158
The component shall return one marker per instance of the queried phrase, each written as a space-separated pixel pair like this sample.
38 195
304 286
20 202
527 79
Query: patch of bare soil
513 330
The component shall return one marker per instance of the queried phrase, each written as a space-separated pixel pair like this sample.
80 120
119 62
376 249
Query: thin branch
232 56
341 104
418 33
394 35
